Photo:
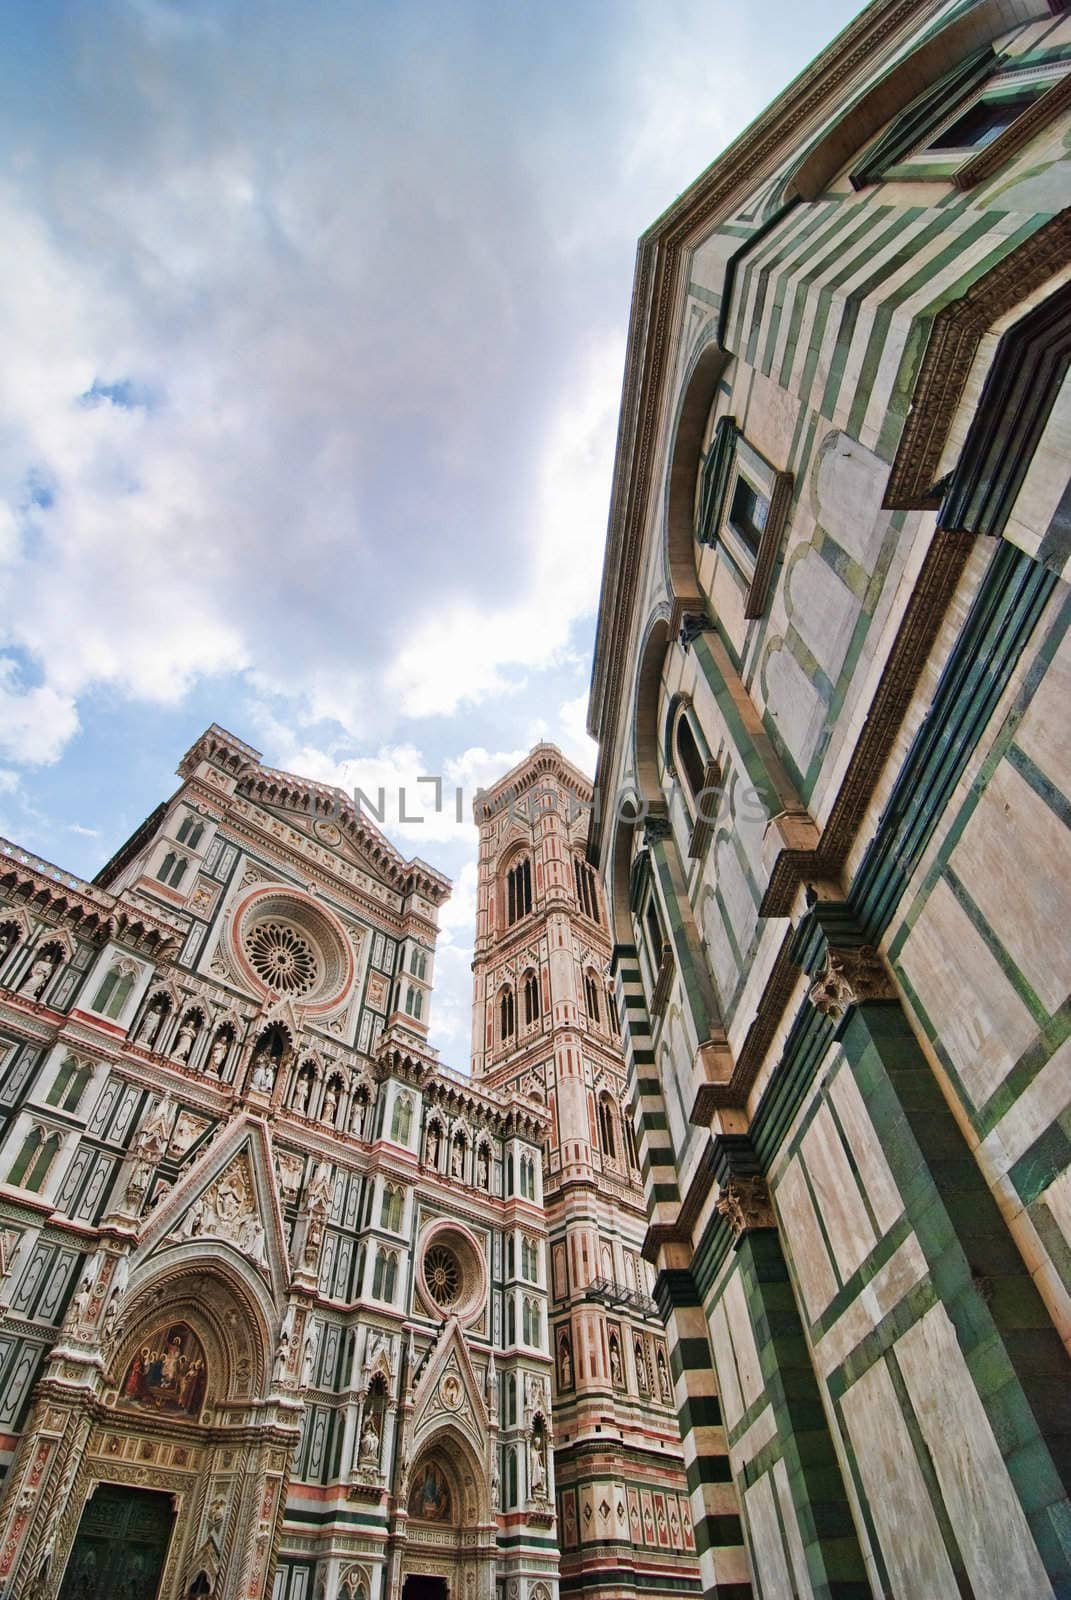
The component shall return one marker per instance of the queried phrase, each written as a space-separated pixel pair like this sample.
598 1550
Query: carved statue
663 1377
369 1450
39 974
357 1110
615 1362
483 1167
80 1303
184 1039
539 1471
150 1023
641 1369
308 1360
330 1106
457 1159
263 1079
301 1098
218 1053
566 1363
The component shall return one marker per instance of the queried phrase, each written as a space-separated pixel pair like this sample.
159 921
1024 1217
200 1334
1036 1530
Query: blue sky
314 321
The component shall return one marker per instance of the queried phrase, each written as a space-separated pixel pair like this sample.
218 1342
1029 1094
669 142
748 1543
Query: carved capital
745 1204
655 829
851 976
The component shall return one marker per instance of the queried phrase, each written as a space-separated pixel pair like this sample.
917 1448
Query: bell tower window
518 891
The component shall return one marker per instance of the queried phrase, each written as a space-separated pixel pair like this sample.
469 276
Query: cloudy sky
313 325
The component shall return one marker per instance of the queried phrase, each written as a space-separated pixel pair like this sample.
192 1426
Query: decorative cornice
92 913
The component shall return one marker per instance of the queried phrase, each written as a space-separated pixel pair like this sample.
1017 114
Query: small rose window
282 958
442 1274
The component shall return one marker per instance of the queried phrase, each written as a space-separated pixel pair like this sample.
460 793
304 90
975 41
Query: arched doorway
421 1587
121 1545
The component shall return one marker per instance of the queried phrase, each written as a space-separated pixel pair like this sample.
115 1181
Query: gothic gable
228 1196
448 1392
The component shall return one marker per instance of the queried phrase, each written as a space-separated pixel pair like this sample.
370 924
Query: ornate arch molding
955 336
893 92
448 1445
231 1316
708 362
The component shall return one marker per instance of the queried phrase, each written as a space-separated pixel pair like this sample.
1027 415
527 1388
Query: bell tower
545 1025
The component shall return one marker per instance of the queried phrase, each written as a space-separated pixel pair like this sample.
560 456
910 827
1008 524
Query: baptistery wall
830 693
258 1303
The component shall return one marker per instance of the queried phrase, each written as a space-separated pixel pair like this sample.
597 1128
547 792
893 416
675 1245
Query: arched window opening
511 1256
507 1019
414 1003
390 1215
606 1128
191 830
511 1401
402 1120
33 1160
586 890
69 1085
385 1275
418 962
591 999
690 762
531 999
518 891
114 991
511 1477
630 1144
511 1321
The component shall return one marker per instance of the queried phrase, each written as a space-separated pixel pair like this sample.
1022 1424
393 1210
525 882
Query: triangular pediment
448 1393
227 1199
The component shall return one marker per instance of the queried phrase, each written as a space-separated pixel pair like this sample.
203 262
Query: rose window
442 1274
281 958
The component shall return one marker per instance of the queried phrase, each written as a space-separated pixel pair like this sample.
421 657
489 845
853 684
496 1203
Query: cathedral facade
545 1027
274 1305
831 810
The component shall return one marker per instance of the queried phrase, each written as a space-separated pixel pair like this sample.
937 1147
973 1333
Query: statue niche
168 1373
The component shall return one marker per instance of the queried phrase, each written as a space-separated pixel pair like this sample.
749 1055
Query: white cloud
464 652
35 724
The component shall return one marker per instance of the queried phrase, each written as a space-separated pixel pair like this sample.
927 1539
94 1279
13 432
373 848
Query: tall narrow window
591 998
606 1128
114 992
507 1019
34 1159
531 998
689 761
518 891
191 831
69 1085
586 891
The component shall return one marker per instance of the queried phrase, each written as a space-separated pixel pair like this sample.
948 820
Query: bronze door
120 1545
